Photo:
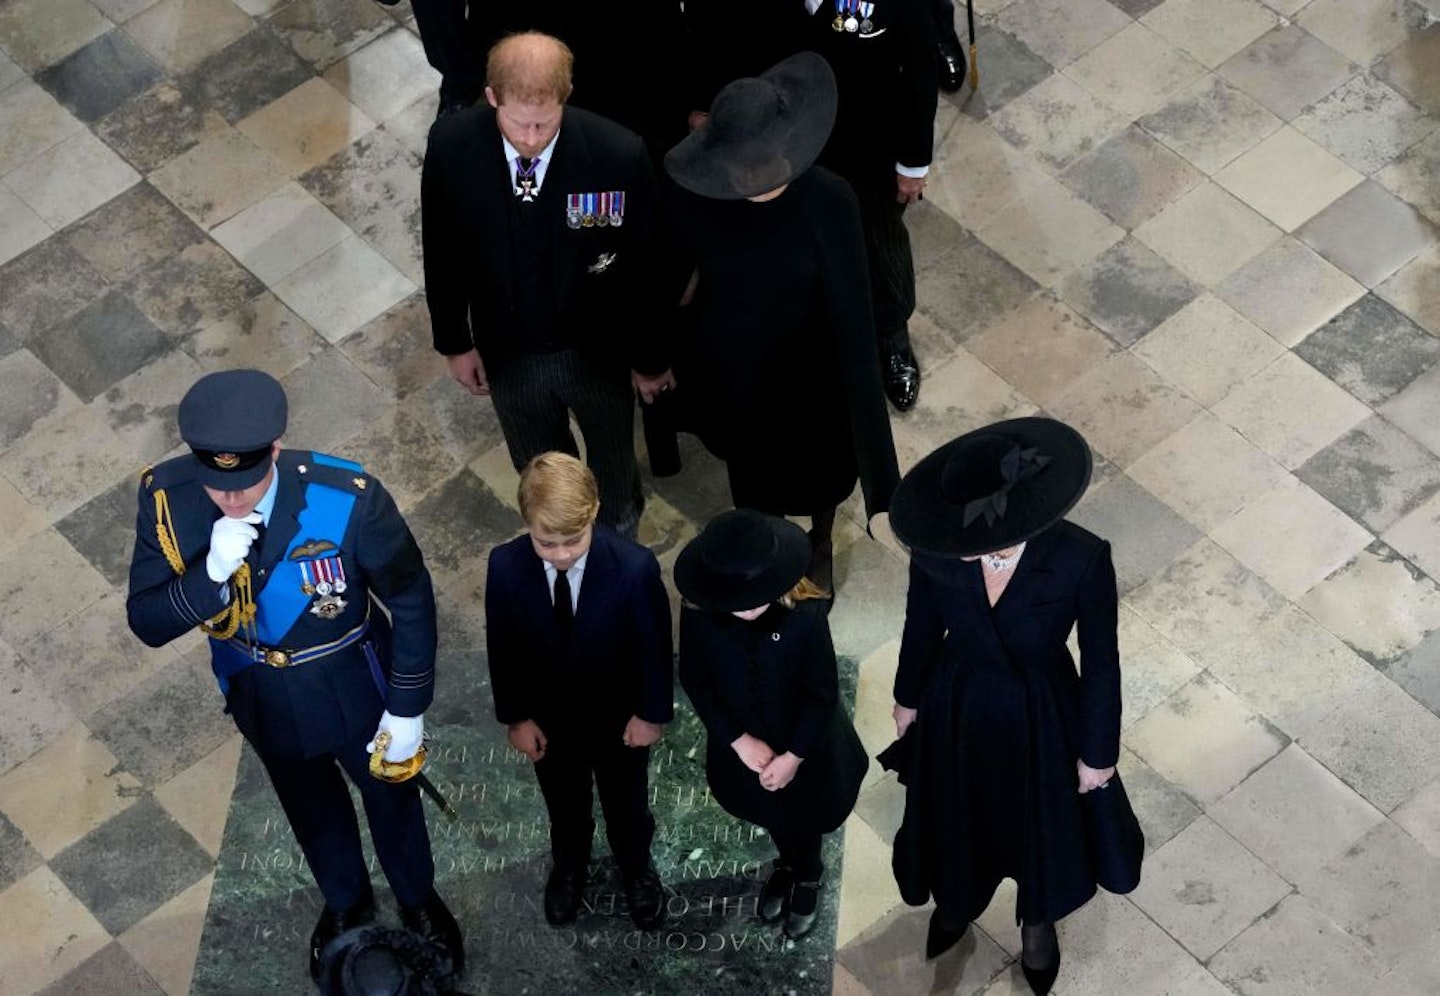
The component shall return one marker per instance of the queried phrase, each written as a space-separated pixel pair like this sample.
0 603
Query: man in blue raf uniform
279 557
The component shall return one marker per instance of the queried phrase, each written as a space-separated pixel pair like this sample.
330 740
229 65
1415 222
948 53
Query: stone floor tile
1289 291
1290 410
1417 537
31 717
469 427
198 797
1379 603
17 857
192 289
1153 666
1418 670
39 33
394 349
962 394
167 941
1374 473
101 345
1134 70
278 234
1010 68
52 934
411 127
1288 178
130 232
218 177
1410 176
883 957
1288 69
1381 741
1050 233
1420 817
976 174
154 127
1296 951
306 126
867 888
343 288
121 11
845 984
20 226
1139 956
9 71
874 687
1361 30
1208 234
330 401
1129 178
1410 68
1417 974
1206 349
1295 815
101 76
1041 347
261 332
65 461
97 789
1415 290
179 34
1414 409
42 582
1204 888
1061 32
403 452
1127 291
1210 123
1057 122
71 179
90 529
325 31
1162 809
31 121
1210 31
1366 123
452 540
386 76
1106 403
247 74
1206 471
1384 891
1204 739
162 861
1371 350
29 392
969 288
1144 534
1369 233
111 970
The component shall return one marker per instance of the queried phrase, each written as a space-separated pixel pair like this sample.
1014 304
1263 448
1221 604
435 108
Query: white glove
230 541
406 732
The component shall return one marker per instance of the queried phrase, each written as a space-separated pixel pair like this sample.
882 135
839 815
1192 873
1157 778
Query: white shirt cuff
913 172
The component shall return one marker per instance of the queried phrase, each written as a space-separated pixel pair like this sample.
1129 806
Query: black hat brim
705 589
924 519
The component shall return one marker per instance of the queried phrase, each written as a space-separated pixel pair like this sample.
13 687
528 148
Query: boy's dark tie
564 611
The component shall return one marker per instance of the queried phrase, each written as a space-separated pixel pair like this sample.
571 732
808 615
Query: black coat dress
777 368
990 763
773 678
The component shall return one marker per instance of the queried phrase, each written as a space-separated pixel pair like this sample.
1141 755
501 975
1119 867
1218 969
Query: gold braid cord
240 611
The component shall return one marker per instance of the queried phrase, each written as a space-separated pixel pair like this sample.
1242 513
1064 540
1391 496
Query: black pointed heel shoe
1041 979
941 937
775 894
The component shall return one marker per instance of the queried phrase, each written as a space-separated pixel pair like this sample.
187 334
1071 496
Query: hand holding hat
230 542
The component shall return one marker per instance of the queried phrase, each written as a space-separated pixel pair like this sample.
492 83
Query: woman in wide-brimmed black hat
776 367
757 662
1007 753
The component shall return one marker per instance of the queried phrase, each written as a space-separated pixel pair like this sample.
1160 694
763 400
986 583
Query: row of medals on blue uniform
324 578
596 209
846 19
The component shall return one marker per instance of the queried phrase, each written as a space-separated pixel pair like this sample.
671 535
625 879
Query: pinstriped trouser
892 266
534 395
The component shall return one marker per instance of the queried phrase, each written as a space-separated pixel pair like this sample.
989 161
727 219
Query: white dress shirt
574 575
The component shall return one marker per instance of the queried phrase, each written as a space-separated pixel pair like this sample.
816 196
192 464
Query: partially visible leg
532 414
604 405
452 49
892 285
950 52
800 853
822 549
1039 955
622 780
564 774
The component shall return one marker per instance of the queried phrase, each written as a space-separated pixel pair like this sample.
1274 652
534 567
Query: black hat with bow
742 560
992 488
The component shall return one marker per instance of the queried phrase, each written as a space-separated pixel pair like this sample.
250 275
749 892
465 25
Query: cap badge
227 461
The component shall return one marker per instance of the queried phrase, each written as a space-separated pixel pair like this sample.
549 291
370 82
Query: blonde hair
804 591
558 494
530 68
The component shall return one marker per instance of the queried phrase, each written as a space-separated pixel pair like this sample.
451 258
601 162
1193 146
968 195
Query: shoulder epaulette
176 470
344 475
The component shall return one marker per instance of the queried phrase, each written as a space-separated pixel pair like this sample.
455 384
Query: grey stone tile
467 424
8 342
167 722
970 287
403 453
31 716
29 391
1211 123
193 288
17 857
1135 8
1366 123
1057 122
1300 947
103 344
394 350
136 229
261 333
1289 291
1145 535
1369 233
93 531
1414 68
1418 672
932 232
101 76
330 401
1061 30
1162 809
883 958
1127 291
1131 177
1371 350
1008 68
160 861
325 31
140 410
1417 409
45 286
458 522
1374 473
154 127
247 74
1287 70
1411 177
111 970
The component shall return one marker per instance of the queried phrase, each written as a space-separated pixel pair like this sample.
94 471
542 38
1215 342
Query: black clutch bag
1117 845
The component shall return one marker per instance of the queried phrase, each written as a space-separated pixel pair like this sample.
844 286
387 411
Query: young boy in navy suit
581 668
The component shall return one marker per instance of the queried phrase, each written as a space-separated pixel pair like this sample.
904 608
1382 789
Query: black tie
564 610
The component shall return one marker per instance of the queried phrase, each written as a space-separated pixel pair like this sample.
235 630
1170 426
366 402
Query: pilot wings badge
602 263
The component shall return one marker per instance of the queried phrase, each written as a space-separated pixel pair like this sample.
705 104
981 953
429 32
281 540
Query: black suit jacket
601 277
619 660
316 706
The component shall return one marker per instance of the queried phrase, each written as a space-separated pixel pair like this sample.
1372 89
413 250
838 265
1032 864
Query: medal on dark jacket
573 214
525 178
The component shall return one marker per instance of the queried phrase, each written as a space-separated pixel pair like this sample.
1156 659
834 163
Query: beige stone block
961 394
50 932
867 886
1291 410
343 288
306 126
1134 70
219 177
1123 408
167 942
1206 348
1379 604
1210 30
1208 234
31 121
277 235
1288 178
1296 951
181 33
1050 233
1417 536
41 32
199 797
71 179
889 957
1420 816
976 174
66 460
43 582
22 519
1111 947
1041 347
386 76
1362 30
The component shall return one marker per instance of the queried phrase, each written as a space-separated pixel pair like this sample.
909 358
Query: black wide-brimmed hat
742 560
991 488
762 132
230 420
383 961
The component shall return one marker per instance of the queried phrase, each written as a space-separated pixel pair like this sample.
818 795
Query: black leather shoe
902 375
332 924
775 894
952 68
804 909
433 921
1041 979
941 937
563 892
646 896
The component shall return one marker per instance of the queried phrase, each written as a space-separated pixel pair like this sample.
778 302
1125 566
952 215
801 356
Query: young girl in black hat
758 664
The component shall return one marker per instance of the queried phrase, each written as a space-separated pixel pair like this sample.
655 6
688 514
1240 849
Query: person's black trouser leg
799 852
622 780
892 264
565 774
945 23
452 47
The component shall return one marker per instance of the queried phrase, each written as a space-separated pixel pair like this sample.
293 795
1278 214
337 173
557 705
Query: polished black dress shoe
902 376
563 891
952 68
941 937
433 921
775 893
332 924
804 909
646 896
